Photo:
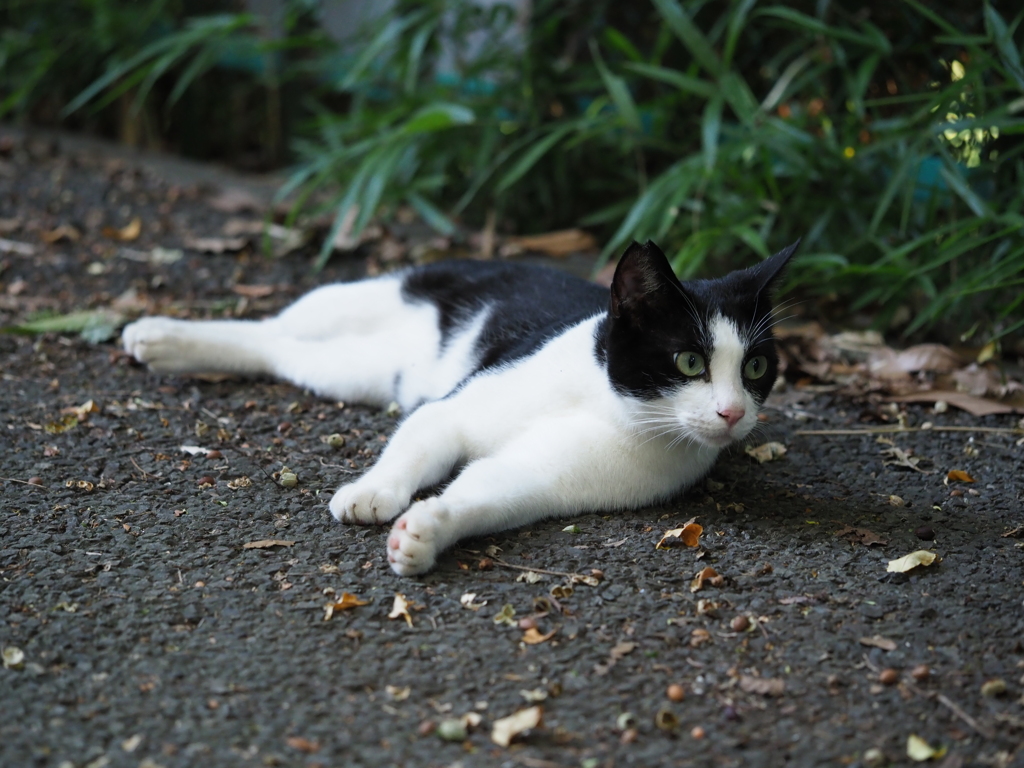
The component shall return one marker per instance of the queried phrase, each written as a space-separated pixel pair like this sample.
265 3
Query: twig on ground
941 698
573 577
145 475
23 482
891 430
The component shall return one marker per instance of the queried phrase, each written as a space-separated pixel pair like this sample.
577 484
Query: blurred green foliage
886 135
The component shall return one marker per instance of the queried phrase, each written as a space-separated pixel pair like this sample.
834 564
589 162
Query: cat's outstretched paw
157 341
416 538
365 505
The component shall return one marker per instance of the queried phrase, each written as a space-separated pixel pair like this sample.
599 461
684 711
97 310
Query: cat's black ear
642 278
766 275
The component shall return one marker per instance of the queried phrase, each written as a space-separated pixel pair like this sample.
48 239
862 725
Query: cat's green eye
755 367
690 363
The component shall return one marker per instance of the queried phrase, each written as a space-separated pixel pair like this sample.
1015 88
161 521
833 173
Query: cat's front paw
364 504
157 342
417 538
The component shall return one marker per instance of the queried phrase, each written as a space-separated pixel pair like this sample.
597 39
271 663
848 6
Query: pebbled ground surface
152 636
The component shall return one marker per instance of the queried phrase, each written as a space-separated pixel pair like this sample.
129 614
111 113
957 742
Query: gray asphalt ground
150 635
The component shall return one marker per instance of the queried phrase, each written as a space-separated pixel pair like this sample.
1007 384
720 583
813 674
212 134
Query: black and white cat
543 393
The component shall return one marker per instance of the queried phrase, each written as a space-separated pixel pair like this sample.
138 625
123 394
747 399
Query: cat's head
698 357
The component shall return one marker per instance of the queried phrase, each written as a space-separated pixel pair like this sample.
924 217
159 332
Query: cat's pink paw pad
413 544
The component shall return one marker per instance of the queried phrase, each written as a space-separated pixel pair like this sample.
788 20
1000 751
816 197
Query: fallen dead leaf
559 243
919 750
976 406
897 457
303 745
861 536
619 650
240 482
908 562
63 232
400 609
468 600
253 291
127 233
887 363
709 575
767 452
396 693
267 543
215 244
347 602
507 728
877 641
234 200
506 615
764 686
532 636
81 412
688 535
958 476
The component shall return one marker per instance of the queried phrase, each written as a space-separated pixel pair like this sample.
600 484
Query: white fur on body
543 436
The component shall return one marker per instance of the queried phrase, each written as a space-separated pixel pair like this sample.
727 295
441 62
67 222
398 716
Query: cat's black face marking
652 317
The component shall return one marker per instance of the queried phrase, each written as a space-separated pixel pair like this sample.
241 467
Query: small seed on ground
527 622
207 480
995 687
697 732
888 676
675 692
925 533
740 623
873 758
920 672
336 440
426 728
215 454
485 564
288 480
35 481
629 736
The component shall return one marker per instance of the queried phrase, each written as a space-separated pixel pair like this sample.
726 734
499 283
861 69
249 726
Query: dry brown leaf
877 641
234 200
620 649
764 686
507 728
127 233
958 476
347 602
81 412
887 363
860 536
908 562
303 745
709 575
253 291
767 452
215 244
559 243
976 406
400 609
688 535
532 636
63 232
267 543
468 600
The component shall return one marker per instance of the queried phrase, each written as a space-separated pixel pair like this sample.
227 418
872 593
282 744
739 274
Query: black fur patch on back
529 305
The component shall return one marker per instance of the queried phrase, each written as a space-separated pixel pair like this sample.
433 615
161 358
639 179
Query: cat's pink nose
732 415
